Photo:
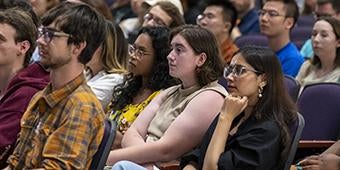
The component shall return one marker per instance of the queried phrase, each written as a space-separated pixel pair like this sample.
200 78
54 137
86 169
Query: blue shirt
249 23
290 59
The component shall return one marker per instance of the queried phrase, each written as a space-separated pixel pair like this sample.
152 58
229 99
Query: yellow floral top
129 113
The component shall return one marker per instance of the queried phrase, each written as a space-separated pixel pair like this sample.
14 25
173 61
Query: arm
232 107
136 133
184 133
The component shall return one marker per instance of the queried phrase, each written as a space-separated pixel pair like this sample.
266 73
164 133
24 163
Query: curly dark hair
159 78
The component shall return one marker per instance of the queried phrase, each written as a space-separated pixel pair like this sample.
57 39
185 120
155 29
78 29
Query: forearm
335 149
217 143
141 154
132 138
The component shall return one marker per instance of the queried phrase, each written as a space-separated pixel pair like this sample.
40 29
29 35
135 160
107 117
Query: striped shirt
60 129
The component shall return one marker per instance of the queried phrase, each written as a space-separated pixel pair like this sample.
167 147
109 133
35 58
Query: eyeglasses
49 33
133 51
200 17
156 20
237 70
271 13
318 15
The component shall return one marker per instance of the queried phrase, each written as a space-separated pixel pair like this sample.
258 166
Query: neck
64 74
95 69
222 38
189 82
6 74
279 41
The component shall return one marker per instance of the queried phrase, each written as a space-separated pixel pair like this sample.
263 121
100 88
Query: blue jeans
127 165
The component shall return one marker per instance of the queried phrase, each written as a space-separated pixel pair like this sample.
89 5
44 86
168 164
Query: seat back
299 35
292 86
320 106
252 39
100 157
296 131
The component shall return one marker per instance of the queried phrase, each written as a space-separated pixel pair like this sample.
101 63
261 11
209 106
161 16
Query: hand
233 106
321 162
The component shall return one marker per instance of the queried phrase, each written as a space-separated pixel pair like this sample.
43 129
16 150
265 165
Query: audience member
99 5
328 160
219 17
19 81
309 7
252 130
248 20
108 65
163 13
277 18
63 124
150 74
178 116
323 8
325 65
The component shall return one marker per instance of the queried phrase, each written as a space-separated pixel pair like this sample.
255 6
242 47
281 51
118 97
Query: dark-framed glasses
156 20
237 70
134 51
271 13
49 33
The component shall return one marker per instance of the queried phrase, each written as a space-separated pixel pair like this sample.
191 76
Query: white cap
177 3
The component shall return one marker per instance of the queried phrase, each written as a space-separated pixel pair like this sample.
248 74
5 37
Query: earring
260 91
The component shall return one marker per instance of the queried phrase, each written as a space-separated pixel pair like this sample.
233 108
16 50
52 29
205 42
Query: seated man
19 82
64 123
277 18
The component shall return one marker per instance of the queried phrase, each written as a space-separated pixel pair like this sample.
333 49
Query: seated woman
150 73
176 119
252 130
325 65
106 69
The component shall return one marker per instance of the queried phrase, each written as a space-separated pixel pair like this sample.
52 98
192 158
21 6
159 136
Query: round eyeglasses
49 33
133 51
237 70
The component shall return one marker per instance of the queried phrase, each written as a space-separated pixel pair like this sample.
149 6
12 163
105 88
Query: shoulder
213 88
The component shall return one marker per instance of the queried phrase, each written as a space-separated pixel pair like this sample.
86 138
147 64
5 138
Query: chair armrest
315 143
171 165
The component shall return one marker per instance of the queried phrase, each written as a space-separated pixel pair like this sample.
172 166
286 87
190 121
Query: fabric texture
255 145
228 48
290 59
307 75
250 23
174 104
102 85
14 102
129 113
61 129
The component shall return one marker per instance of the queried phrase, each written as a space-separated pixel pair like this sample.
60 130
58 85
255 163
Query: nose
170 56
40 40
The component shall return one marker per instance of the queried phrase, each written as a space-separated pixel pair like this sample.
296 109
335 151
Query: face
141 56
53 48
243 79
324 10
182 59
242 6
9 49
212 19
324 40
157 17
272 19
136 5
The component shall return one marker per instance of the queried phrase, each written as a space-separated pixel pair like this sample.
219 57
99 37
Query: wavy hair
159 78
202 40
276 103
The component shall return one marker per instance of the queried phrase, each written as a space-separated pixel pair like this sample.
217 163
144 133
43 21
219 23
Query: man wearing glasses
64 123
219 17
19 80
277 18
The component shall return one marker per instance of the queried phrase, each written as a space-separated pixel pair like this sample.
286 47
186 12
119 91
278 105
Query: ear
262 80
78 48
201 59
227 26
289 22
24 46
